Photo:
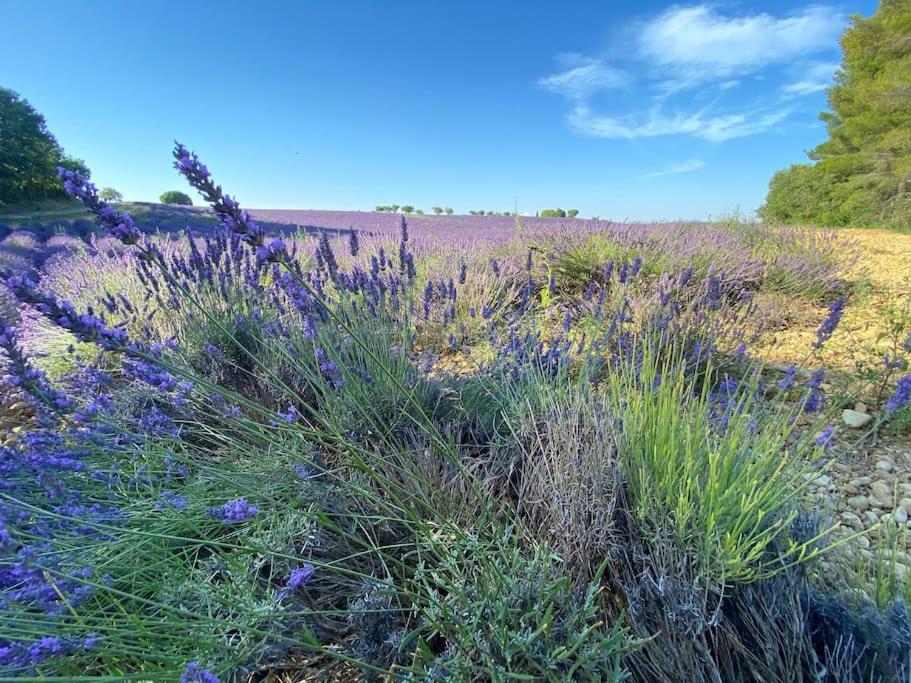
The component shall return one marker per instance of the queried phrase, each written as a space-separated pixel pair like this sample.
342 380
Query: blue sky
655 111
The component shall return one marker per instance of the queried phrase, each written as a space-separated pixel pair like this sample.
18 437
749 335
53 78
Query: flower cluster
234 511
833 317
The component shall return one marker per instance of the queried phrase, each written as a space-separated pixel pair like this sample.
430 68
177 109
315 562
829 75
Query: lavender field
317 445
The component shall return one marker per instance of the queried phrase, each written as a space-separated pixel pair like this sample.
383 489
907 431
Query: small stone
905 503
885 465
882 492
855 419
862 481
900 515
863 542
871 518
859 503
852 520
822 480
860 407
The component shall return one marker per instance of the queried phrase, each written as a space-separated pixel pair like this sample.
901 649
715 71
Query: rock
822 480
871 518
855 419
860 407
900 515
859 503
882 492
863 542
852 520
862 481
885 465
906 504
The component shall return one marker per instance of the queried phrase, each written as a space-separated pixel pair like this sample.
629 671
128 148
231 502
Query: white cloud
581 76
698 41
698 46
815 77
698 124
684 167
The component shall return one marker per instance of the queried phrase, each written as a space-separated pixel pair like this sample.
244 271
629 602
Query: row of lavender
256 456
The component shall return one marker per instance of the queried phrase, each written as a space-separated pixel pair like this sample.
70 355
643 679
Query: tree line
861 175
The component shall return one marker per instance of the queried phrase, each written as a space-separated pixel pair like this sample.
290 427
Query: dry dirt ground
866 486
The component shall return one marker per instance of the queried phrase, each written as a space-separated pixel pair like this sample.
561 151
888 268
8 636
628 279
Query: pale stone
822 480
882 492
885 465
860 407
858 502
855 419
862 481
900 515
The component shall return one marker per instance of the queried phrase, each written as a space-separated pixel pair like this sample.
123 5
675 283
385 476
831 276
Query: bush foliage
861 175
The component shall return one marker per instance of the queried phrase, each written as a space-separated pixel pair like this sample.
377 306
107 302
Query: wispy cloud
581 76
717 128
815 77
696 46
684 167
700 43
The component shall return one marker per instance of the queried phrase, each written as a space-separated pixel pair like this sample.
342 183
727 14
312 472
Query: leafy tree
29 153
572 213
419 212
175 197
437 210
862 173
109 194
381 209
553 213
407 208
448 210
393 208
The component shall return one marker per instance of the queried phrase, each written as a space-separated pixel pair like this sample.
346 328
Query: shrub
175 197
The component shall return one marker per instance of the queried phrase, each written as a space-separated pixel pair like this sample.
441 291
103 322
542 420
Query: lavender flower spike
119 223
227 209
827 328
902 395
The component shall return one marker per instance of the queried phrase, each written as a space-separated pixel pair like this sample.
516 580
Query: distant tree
553 213
572 213
419 212
437 210
175 197
407 208
862 173
393 208
380 208
29 153
109 194
448 210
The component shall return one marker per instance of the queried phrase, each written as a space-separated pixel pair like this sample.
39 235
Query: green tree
448 210
29 153
175 197
553 213
393 208
407 208
862 173
109 194
437 210
572 213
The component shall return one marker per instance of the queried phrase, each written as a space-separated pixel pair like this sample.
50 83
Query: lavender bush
429 448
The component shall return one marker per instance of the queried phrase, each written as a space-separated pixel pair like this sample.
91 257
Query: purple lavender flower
463 273
196 674
329 370
495 265
824 438
120 224
353 244
170 498
827 328
787 382
234 511
902 395
300 576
